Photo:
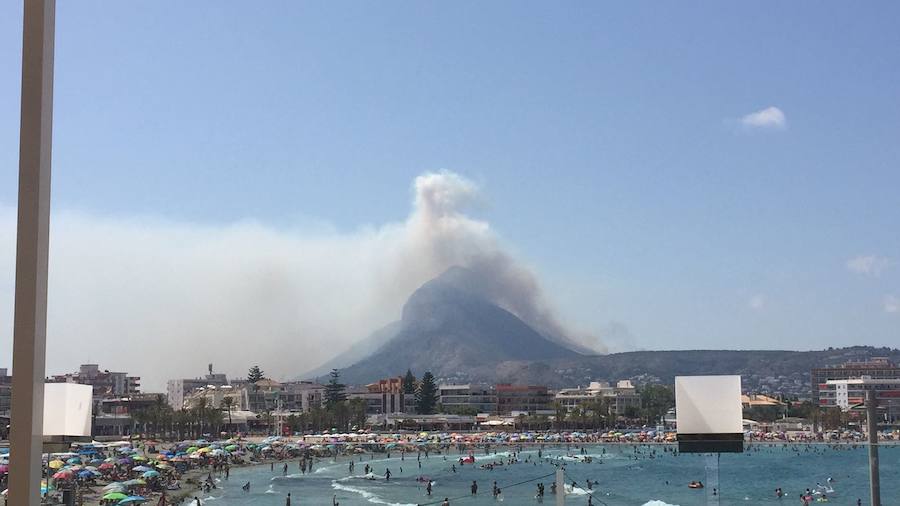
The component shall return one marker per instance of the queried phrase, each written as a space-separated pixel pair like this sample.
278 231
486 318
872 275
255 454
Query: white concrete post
560 488
30 313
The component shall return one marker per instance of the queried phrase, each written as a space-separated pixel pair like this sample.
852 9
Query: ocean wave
365 494
575 490
656 502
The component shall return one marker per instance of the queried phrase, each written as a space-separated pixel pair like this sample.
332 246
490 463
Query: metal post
30 313
560 488
872 422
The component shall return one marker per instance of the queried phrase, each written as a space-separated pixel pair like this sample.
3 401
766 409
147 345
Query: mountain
454 331
450 328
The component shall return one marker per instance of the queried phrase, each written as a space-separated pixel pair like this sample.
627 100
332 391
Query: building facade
851 393
263 396
104 383
177 390
384 397
529 399
468 398
619 397
5 392
876 368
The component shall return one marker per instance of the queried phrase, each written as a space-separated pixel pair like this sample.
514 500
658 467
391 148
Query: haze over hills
451 328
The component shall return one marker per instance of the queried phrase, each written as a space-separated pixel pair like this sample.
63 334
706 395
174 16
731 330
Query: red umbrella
106 465
63 475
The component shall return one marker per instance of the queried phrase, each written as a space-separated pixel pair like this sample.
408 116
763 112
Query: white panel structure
708 404
67 409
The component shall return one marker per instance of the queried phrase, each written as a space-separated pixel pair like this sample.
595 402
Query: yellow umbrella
56 464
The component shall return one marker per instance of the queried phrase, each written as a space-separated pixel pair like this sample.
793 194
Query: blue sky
607 139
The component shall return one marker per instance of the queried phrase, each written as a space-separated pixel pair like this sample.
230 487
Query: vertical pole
713 490
30 313
872 422
560 488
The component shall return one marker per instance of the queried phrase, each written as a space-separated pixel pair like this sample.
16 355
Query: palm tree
200 414
560 414
228 404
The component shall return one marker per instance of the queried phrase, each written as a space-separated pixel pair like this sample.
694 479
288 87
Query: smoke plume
161 299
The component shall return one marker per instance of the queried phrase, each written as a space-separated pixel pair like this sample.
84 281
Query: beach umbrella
56 464
63 475
86 474
4 468
138 458
115 484
150 474
231 448
106 465
74 460
140 468
114 496
132 499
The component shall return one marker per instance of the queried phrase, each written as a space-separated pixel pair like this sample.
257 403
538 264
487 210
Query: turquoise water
625 475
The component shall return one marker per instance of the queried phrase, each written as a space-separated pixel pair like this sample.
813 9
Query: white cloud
770 117
891 304
161 299
870 265
757 302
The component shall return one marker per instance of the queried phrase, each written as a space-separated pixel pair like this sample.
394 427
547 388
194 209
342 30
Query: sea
621 475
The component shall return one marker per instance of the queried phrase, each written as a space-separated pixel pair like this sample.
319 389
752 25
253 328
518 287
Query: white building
620 397
177 390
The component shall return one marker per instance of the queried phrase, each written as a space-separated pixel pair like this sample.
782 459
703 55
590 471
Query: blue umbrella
132 499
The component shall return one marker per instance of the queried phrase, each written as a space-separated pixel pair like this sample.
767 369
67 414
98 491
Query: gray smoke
161 299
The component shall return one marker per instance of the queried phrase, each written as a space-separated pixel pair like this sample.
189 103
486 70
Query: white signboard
708 404
67 409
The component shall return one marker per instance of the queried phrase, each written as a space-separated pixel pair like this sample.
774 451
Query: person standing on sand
287 501
474 487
